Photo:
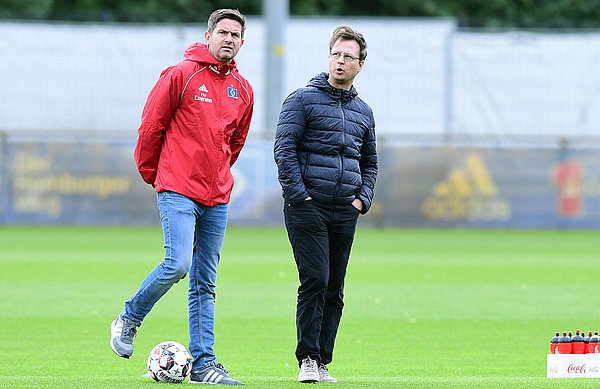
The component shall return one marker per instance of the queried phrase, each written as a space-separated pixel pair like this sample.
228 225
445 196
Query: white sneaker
324 375
308 371
212 374
122 332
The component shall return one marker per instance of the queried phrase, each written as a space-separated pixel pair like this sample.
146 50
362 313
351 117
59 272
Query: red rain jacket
194 125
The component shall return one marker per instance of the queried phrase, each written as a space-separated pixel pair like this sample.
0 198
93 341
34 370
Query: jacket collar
320 81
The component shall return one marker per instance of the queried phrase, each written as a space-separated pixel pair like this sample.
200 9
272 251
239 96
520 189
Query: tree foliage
469 13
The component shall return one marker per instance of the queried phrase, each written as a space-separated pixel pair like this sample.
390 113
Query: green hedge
491 14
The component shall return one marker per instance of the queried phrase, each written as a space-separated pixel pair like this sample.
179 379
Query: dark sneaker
324 375
308 371
122 332
212 374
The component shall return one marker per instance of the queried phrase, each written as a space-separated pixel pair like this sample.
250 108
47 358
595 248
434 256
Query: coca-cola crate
573 365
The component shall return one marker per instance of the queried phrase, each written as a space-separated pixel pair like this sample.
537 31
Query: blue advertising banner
86 181
488 187
79 181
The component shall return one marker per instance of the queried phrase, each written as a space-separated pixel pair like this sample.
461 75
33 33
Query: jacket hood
320 81
198 52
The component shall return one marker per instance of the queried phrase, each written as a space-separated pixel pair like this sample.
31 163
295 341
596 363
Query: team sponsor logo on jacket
203 95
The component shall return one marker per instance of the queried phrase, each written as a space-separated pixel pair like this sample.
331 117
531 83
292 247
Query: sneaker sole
333 380
307 380
220 382
112 346
212 383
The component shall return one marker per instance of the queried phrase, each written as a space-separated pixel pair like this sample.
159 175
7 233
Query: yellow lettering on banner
469 193
50 205
454 209
36 191
27 163
67 184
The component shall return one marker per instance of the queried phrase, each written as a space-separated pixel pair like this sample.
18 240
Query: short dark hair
226 13
346 33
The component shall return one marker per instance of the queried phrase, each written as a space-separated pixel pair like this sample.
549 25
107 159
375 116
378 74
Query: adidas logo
203 88
213 377
468 193
472 179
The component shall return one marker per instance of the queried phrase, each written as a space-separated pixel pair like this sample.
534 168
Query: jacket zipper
220 134
340 153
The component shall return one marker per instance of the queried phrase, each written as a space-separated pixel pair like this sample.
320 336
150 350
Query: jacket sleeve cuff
366 205
149 176
297 199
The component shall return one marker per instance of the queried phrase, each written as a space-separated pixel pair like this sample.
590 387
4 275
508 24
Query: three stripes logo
468 193
213 377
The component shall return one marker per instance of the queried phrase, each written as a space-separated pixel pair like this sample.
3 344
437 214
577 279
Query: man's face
343 68
225 41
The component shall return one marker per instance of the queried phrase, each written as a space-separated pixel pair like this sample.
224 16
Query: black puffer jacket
325 145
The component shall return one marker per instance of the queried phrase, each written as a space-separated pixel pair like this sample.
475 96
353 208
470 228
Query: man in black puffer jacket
327 165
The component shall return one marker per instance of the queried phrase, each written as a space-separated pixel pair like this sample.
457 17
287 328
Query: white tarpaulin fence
526 84
424 79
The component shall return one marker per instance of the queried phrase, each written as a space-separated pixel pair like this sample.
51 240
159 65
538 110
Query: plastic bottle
554 343
587 341
577 344
564 344
593 346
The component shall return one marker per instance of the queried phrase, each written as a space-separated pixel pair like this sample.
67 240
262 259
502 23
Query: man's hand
357 203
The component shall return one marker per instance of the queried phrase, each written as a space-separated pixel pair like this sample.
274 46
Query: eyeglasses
347 57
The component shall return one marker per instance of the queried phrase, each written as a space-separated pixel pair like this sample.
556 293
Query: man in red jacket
194 125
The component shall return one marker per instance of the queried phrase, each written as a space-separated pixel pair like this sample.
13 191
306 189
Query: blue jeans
194 236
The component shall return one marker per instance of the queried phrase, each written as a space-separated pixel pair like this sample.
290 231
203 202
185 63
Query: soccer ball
169 362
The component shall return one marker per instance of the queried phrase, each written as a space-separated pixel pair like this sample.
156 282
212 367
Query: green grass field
424 308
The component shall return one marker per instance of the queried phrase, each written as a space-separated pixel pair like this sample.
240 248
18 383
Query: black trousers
321 237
